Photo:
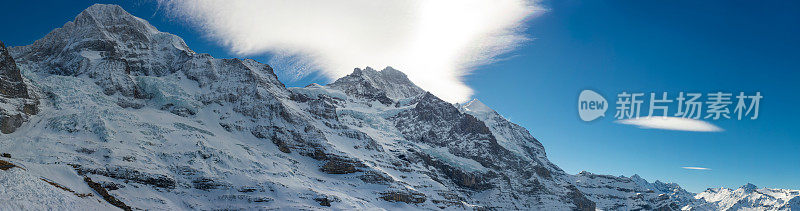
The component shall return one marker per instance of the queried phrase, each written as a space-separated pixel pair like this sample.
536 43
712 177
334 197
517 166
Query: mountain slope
138 120
16 103
162 127
747 197
632 193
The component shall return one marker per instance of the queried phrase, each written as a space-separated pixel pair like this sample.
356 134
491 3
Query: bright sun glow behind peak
435 43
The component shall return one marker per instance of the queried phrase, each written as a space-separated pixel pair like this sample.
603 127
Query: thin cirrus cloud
436 43
672 123
696 168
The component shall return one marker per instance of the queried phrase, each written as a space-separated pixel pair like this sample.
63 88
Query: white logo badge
591 105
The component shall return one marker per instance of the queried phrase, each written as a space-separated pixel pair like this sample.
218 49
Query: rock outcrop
16 103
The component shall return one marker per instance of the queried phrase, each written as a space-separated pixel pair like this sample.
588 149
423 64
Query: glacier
107 112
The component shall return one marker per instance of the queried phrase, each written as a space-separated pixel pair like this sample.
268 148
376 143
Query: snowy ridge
634 193
747 197
135 118
383 86
511 136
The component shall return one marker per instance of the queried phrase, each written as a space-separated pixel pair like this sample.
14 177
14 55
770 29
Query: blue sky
609 47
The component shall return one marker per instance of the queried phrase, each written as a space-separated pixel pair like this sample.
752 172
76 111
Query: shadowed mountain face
132 118
11 84
16 104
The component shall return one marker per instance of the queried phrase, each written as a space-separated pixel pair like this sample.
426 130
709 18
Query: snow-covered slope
135 118
511 136
631 193
31 186
163 127
747 197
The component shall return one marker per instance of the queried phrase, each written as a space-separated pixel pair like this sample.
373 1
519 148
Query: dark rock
336 165
304 139
204 183
542 171
85 150
247 189
405 197
117 172
112 186
97 187
470 180
668 207
579 200
282 146
5 165
323 108
10 123
374 177
260 199
11 84
324 201
31 108
319 155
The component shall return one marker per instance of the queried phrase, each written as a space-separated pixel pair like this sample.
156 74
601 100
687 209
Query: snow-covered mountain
747 197
108 112
632 193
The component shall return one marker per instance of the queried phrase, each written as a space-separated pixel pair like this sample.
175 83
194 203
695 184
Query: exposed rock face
17 103
107 43
106 36
383 86
124 103
10 123
411 198
11 84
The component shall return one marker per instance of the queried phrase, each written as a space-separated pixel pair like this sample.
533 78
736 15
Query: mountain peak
392 82
477 106
113 19
749 187
389 71
103 36
105 10
359 72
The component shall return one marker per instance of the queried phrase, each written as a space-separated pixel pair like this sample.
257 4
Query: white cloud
435 43
672 123
696 168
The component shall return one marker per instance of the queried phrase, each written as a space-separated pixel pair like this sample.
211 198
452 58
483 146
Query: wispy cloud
436 43
696 168
672 123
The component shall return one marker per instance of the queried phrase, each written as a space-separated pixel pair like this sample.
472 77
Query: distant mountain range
107 112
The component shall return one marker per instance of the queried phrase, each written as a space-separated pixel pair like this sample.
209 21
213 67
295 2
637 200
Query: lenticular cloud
672 123
435 42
